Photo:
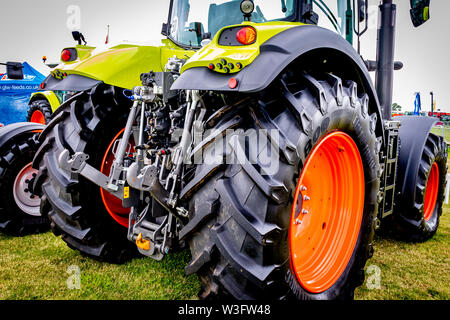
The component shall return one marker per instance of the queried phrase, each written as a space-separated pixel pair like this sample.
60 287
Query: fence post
447 189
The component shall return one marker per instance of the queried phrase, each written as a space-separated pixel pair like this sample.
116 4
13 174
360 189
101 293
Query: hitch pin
141 243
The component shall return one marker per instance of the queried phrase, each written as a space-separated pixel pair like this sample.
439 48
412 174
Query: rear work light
66 55
246 36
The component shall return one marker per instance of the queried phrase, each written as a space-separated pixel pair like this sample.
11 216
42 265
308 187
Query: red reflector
232 83
1 124
66 55
211 66
42 85
246 35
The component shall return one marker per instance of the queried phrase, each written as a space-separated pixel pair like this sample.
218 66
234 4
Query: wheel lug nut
306 198
297 221
303 188
304 211
26 190
27 181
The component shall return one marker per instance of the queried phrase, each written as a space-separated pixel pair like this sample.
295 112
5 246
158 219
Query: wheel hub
25 200
112 204
431 192
327 212
38 117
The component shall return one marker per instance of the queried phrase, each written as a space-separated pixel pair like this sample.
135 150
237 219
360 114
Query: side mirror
196 27
14 70
206 35
362 10
165 29
420 12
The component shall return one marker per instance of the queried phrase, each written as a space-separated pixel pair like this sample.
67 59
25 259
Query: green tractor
253 136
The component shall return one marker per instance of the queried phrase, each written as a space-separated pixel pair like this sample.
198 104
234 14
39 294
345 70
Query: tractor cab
189 23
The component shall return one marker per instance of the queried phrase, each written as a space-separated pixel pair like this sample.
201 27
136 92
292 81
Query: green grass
442 131
35 267
412 271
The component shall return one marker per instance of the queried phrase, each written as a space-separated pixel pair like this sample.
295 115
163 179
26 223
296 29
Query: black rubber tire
87 123
409 224
15 154
240 245
42 106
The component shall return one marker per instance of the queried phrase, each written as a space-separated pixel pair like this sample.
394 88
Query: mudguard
50 96
12 130
413 135
118 65
73 82
275 55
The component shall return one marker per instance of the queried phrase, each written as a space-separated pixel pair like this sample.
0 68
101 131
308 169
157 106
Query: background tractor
44 103
257 139
20 208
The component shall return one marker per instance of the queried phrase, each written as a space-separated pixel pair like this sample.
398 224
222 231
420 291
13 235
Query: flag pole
107 36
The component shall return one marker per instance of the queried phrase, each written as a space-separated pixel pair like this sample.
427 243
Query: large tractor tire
87 218
19 208
419 222
40 111
306 230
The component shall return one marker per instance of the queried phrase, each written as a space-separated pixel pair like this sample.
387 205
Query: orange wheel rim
327 212
37 117
431 192
112 204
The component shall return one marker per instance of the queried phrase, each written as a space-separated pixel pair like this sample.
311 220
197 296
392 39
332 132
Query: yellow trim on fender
214 53
50 96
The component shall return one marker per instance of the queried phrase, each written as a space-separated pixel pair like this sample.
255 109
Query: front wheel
305 230
40 111
19 208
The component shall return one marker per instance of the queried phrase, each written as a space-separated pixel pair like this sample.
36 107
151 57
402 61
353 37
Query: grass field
443 131
36 267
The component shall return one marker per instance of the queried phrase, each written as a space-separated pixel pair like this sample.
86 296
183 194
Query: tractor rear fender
16 129
413 135
49 96
117 65
315 48
73 82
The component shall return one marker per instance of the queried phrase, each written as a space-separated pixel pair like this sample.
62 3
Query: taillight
66 55
232 83
246 36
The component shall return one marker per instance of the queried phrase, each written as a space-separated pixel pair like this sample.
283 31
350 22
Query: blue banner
14 94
